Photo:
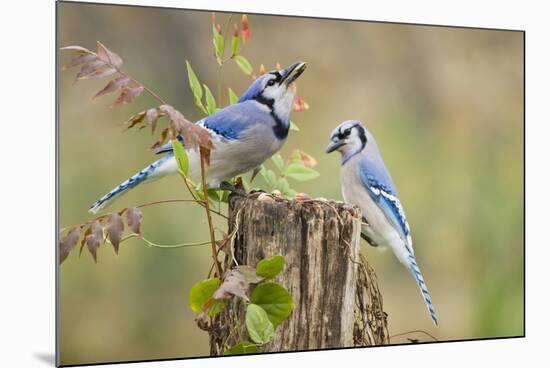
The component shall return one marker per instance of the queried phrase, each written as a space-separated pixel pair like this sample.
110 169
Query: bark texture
335 291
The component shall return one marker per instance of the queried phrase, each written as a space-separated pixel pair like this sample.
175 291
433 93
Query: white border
27 81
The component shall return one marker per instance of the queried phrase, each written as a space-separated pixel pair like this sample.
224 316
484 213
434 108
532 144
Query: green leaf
269 176
243 63
233 98
275 300
255 172
195 192
219 42
235 45
293 126
213 195
210 100
260 329
217 306
246 184
245 347
181 156
270 267
296 156
201 292
278 161
284 187
296 170
194 83
225 196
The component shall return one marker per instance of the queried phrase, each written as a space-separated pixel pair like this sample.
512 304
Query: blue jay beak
292 73
334 145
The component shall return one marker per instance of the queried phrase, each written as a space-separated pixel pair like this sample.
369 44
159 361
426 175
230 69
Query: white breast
233 157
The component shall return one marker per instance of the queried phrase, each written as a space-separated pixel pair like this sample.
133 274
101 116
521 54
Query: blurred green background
446 107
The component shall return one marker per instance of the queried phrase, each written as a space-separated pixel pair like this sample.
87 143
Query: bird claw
224 185
257 191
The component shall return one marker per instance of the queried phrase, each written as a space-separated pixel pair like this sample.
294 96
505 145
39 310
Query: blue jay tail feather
143 176
415 270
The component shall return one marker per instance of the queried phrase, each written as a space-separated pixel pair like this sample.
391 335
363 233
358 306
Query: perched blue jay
367 183
244 135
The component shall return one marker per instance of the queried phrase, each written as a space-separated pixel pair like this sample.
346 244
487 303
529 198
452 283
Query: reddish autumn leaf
83 242
234 283
153 117
162 139
245 29
299 104
223 243
135 119
128 94
93 238
133 219
89 68
81 59
193 134
115 228
113 85
249 274
68 243
262 70
80 49
108 56
307 159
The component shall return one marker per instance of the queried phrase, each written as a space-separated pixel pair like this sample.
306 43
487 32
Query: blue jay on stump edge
366 183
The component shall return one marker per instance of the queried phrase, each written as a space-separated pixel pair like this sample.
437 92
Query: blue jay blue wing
388 201
228 124
231 122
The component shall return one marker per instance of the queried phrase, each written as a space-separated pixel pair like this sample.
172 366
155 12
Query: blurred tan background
446 107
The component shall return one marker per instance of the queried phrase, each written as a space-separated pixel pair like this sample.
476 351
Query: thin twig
132 79
150 91
413 331
199 201
209 217
166 201
152 244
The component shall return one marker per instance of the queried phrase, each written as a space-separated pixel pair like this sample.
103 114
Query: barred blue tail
422 285
150 173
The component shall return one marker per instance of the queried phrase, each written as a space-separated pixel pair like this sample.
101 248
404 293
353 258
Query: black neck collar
280 129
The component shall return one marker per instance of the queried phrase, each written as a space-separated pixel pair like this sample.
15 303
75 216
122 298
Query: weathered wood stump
335 291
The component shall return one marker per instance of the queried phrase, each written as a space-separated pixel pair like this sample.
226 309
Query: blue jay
367 183
244 135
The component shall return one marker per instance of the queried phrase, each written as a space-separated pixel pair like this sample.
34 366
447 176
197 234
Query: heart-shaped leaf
201 292
260 329
275 300
270 267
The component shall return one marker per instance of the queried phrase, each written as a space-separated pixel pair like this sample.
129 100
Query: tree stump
335 292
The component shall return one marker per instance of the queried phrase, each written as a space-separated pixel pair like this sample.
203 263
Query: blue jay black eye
347 132
271 82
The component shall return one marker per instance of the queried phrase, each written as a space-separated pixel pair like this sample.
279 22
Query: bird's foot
257 190
224 185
